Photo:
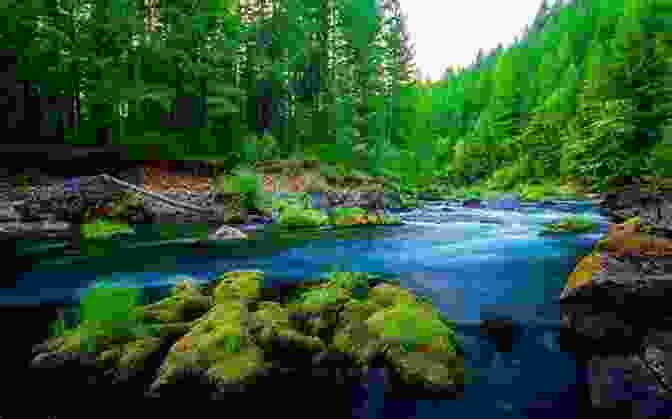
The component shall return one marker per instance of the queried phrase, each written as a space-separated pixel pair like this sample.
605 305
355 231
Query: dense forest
582 96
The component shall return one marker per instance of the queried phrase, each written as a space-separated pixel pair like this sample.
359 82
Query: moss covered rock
571 225
426 375
239 284
239 339
219 345
185 303
413 325
387 295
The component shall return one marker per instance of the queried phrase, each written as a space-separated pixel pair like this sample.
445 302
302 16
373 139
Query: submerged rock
508 202
503 331
473 203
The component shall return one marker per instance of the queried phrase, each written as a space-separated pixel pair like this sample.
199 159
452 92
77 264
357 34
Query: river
472 263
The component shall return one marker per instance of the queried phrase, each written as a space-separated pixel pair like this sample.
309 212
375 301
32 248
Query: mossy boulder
238 284
414 325
297 217
219 346
119 359
356 283
425 375
387 295
130 359
241 339
185 303
571 225
321 299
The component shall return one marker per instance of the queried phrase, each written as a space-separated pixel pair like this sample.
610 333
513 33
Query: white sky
450 32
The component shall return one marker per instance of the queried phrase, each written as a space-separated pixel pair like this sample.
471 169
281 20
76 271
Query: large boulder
185 304
219 349
236 285
615 303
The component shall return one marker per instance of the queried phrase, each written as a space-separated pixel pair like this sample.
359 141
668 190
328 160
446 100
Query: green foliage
267 147
506 177
660 160
110 313
247 184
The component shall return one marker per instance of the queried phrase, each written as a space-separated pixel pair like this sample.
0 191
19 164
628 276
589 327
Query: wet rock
226 232
392 200
244 344
616 379
509 202
654 208
504 332
473 203
616 303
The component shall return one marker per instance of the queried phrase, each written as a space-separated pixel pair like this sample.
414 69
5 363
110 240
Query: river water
472 263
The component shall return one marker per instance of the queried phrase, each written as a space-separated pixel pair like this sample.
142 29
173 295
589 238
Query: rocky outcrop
236 335
616 301
654 208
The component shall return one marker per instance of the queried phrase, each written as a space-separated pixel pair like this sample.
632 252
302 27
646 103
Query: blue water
470 262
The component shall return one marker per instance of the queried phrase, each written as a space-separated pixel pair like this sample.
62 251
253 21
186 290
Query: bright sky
450 32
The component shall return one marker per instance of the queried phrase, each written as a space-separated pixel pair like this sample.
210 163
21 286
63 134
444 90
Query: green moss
236 367
359 310
103 229
134 354
575 224
272 314
184 304
243 284
316 300
356 283
413 324
386 295
295 217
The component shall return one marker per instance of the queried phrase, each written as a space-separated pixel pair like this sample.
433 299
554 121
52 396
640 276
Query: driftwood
157 196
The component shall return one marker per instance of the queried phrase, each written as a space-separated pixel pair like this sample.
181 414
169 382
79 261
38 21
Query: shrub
267 147
245 182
